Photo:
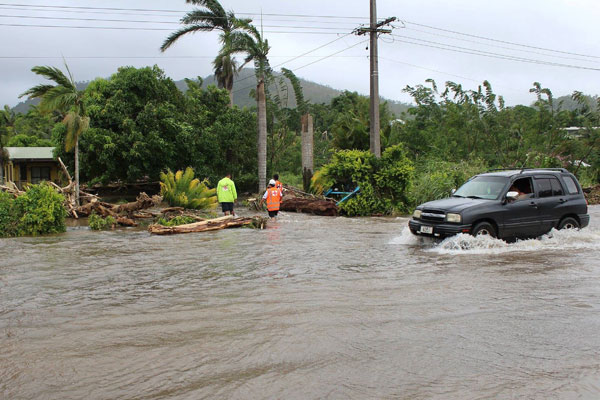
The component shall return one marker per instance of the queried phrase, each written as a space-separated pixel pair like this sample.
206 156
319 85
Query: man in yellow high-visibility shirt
226 194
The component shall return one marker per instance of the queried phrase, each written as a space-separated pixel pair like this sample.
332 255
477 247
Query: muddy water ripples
309 308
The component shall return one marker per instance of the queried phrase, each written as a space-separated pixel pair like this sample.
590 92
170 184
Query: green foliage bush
38 211
383 182
183 190
97 223
8 215
435 179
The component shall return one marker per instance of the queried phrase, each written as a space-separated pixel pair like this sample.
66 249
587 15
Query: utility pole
374 30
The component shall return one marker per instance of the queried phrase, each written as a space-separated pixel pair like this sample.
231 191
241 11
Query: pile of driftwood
296 200
324 207
124 214
225 222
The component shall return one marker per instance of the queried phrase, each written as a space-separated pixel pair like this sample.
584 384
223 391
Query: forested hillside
315 93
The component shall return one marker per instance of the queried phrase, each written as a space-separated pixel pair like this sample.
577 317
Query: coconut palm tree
63 97
256 48
212 17
225 71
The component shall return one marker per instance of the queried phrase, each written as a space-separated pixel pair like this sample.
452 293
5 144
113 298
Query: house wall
12 171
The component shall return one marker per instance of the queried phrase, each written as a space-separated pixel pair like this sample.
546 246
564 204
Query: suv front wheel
484 229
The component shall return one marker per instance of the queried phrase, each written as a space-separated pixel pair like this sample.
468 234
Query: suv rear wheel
568 223
484 229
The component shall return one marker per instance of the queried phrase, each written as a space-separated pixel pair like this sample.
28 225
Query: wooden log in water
309 206
225 222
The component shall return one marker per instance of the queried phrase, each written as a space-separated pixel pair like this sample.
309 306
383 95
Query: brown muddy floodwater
310 308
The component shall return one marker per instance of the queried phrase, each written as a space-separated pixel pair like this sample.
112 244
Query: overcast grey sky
569 28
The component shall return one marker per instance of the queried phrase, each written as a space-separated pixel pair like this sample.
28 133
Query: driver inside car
523 192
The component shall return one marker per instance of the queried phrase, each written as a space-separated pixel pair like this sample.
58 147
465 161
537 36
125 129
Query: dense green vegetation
39 211
98 223
383 182
178 220
143 125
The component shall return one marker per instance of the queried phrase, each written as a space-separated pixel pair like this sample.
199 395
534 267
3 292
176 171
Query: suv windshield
482 187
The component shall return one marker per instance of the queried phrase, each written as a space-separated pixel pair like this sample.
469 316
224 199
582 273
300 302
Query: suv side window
557 189
544 187
571 185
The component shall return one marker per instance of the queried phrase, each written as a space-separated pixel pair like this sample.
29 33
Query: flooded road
310 308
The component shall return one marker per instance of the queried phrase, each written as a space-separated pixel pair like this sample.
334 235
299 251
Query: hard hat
272 182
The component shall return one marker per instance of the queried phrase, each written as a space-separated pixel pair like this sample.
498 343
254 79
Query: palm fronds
181 189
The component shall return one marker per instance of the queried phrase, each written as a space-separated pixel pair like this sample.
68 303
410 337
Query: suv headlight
450 217
417 214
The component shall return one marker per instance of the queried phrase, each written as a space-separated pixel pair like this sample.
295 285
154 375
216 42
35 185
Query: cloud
550 25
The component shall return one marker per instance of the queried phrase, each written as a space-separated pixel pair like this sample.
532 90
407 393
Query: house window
39 174
23 173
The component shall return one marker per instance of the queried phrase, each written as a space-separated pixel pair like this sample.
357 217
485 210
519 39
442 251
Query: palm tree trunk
77 172
262 135
230 90
307 150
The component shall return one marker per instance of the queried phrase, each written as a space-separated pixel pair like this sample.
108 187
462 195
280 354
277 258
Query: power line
176 11
306 65
499 41
465 50
331 55
497 46
138 57
301 55
329 17
430 69
129 28
323 20
151 22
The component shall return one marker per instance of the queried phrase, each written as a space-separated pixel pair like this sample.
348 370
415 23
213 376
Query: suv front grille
433 215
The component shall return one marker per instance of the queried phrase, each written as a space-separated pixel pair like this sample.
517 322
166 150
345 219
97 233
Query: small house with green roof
30 165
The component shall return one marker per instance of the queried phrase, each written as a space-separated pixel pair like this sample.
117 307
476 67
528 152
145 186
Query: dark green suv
506 204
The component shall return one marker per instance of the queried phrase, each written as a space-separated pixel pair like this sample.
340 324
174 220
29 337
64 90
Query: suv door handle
562 200
533 204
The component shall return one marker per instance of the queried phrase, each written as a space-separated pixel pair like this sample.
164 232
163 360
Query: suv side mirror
512 195
453 190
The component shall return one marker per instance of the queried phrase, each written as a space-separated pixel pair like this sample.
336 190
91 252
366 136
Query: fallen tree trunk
209 225
309 206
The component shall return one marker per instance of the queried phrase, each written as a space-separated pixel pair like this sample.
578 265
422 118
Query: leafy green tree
144 125
22 140
212 17
64 97
137 117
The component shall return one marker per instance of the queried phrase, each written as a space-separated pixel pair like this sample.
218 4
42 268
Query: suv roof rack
543 169
503 169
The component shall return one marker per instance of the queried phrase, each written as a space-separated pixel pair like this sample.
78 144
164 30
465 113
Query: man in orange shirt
273 198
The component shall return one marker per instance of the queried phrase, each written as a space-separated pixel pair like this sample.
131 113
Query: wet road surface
310 308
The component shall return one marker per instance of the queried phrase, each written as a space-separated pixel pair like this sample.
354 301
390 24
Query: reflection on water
312 307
